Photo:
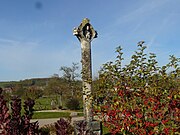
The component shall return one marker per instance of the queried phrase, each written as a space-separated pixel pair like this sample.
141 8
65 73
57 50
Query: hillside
26 82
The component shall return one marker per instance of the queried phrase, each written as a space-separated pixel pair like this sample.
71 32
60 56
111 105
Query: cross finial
85 31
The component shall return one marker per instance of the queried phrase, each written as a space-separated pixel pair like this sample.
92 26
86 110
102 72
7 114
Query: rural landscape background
135 63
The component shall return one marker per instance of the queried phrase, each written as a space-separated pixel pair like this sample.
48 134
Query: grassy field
45 115
43 103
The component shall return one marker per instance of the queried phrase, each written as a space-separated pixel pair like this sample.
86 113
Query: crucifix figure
85 34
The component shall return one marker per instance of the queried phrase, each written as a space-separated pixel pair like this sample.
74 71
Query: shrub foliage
63 127
11 121
73 104
140 97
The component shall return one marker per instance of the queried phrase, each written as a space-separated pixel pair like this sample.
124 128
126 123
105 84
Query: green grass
80 114
43 104
46 115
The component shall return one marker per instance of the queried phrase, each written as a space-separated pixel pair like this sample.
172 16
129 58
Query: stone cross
85 34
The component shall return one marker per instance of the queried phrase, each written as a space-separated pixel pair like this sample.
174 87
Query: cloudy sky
36 35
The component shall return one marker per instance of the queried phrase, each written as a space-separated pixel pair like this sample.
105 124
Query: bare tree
70 74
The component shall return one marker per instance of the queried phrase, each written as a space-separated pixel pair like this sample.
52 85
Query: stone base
81 126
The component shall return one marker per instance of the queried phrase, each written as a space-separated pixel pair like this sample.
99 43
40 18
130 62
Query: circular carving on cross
85 31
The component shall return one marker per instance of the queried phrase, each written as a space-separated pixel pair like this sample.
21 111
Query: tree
33 92
70 74
19 90
56 86
140 97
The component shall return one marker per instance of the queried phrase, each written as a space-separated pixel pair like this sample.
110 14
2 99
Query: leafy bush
63 127
11 122
73 104
44 131
48 129
141 97
82 128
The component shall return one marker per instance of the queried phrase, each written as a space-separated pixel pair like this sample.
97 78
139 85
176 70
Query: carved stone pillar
85 34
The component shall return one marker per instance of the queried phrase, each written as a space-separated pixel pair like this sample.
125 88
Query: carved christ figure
85 31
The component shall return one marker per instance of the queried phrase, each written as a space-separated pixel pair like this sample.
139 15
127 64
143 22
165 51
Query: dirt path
43 122
59 111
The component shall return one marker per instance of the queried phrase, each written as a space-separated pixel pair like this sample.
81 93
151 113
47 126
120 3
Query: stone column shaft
85 34
87 79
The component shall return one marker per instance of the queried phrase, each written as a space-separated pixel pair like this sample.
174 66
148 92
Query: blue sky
36 35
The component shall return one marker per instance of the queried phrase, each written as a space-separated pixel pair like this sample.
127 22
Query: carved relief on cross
85 31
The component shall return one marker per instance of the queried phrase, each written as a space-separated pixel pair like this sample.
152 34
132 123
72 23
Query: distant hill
26 82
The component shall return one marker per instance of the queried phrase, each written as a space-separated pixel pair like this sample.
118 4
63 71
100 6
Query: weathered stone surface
96 127
73 114
85 34
85 31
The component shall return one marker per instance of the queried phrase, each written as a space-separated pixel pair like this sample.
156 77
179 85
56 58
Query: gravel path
43 122
59 111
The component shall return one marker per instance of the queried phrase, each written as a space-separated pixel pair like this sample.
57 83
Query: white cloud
31 59
14 53
144 10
